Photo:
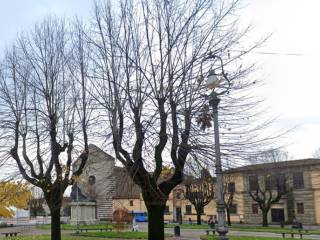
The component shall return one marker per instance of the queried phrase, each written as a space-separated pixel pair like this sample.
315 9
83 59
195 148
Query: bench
11 234
95 229
294 233
211 230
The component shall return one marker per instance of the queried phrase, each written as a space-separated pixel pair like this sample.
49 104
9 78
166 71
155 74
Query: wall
100 165
309 196
315 185
138 205
173 203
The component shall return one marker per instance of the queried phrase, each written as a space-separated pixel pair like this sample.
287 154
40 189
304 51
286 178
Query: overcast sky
291 81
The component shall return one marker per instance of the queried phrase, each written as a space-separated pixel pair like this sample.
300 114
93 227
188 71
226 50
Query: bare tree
200 192
271 155
266 191
267 188
316 153
229 191
148 56
36 207
44 114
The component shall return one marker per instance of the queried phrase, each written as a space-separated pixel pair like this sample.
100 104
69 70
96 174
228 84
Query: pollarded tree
148 58
44 110
266 191
229 191
200 192
267 188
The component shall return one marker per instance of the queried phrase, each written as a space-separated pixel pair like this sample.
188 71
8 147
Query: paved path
188 234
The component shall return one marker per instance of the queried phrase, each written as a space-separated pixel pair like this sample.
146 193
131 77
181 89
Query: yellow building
300 181
301 199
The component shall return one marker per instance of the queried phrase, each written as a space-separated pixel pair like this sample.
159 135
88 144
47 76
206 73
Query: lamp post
212 82
78 230
221 226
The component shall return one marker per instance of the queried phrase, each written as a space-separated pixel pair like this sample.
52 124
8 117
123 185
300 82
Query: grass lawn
90 236
123 235
244 238
74 227
244 228
47 237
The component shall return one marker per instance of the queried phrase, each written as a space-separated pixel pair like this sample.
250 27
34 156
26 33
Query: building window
188 209
267 183
300 208
275 182
233 209
231 187
253 183
298 182
131 203
167 210
280 181
255 208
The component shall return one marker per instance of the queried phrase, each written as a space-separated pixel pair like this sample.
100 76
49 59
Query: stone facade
308 196
305 196
101 166
115 189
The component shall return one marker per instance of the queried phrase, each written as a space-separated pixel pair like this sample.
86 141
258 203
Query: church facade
95 187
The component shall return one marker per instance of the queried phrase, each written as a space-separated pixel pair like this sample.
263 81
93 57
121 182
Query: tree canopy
13 194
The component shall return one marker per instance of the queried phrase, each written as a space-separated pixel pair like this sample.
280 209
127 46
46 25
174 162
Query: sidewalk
188 234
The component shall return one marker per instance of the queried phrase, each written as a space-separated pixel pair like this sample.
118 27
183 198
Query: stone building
301 199
93 192
300 180
115 189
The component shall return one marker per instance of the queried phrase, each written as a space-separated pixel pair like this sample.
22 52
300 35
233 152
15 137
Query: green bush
3 225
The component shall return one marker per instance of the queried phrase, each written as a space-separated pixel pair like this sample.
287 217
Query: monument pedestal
83 213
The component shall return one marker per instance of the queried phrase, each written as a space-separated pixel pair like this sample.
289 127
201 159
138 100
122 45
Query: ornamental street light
221 226
213 81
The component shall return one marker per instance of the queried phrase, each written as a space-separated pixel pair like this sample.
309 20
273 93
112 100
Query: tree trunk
228 216
198 218
55 225
265 218
155 221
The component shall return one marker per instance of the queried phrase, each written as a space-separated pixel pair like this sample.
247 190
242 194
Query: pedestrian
135 226
211 223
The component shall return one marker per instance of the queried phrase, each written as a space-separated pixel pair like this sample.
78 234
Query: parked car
140 216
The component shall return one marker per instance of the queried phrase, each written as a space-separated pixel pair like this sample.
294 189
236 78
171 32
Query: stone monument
84 206
92 193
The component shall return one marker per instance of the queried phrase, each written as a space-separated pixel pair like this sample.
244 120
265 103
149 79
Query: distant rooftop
125 187
276 165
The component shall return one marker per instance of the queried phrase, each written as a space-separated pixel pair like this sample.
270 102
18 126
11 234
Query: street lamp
213 81
78 227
